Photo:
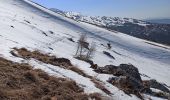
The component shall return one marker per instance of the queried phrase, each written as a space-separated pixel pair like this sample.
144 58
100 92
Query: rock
70 39
156 85
121 70
108 54
128 78
94 66
131 71
127 84
108 69
12 26
27 21
44 33
51 32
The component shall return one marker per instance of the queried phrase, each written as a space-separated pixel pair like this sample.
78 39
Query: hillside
159 21
156 32
100 21
38 47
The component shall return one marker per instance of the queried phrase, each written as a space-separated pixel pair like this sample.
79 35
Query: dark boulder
127 84
94 66
131 71
121 70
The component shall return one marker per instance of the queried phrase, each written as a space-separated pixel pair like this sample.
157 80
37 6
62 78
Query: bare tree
91 51
82 44
83 51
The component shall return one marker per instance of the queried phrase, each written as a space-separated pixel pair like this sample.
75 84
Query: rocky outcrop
127 84
121 70
127 78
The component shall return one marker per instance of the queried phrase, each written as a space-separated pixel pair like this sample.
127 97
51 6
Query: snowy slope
25 24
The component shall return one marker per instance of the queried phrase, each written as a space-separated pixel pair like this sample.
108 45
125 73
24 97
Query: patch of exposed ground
21 82
100 85
60 62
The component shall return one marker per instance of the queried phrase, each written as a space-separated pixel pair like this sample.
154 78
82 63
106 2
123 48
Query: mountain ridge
159 33
99 20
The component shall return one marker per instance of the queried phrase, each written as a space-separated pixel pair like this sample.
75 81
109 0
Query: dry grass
99 85
80 72
21 82
61 62
96 96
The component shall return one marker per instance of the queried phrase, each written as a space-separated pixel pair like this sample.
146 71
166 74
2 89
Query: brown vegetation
96 96
21 82
60 62
99 85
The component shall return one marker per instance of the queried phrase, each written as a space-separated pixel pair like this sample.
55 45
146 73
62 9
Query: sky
140 9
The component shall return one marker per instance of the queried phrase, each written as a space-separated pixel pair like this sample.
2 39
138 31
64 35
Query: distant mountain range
148 30
100 20
159 21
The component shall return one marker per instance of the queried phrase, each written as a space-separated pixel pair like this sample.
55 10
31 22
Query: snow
54 70
151 60
98 20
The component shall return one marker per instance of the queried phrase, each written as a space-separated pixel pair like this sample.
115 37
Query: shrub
83 50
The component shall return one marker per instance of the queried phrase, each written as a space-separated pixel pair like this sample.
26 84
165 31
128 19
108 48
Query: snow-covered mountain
24 24
159 33
98 20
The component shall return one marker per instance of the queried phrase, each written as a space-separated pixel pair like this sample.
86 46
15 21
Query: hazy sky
141 9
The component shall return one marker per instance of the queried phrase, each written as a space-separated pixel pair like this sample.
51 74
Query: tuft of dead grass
100 85
95 96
